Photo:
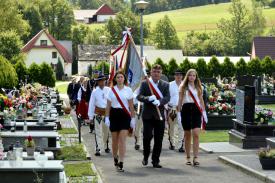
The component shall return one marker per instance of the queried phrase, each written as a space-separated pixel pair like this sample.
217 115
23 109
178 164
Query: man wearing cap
90 86
172 114
96 113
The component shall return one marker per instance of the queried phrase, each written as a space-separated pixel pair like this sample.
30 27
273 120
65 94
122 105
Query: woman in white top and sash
192 112
120 116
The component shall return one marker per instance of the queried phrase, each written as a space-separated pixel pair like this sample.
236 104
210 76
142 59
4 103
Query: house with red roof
102 14
43 47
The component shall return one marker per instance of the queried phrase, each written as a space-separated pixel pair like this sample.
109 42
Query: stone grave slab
251 165
49 154
221 147
48 140
271 142
28 171
33 126
250 136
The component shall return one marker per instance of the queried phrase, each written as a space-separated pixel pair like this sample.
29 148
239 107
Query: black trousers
153 128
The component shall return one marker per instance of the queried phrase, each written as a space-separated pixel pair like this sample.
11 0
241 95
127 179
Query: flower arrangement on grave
5 102
263 116
30 146
267 158
225 108
228 96
29 142
266 153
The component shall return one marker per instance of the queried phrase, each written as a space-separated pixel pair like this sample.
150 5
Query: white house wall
40 55
68 69
83 66
104 18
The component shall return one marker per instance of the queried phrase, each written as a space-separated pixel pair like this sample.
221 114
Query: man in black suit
70 90
153 124
91 85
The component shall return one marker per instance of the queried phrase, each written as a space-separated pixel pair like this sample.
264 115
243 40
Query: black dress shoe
181 150
97 153
107 150
116 162
157 165
137 147
144 162
120 167
172 147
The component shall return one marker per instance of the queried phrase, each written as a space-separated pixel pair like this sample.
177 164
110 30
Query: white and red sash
204 118
155 89
120 102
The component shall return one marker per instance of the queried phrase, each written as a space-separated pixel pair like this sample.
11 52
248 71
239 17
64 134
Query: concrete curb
247 170
99 180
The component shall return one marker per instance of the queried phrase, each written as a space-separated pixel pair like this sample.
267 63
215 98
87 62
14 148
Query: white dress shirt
79 93
98 99
174 94
125 94
188 98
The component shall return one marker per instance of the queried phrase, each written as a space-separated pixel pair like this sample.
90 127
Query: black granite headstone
259 86
245 104
246 80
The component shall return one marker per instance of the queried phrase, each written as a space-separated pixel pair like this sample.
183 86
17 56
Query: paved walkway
174 169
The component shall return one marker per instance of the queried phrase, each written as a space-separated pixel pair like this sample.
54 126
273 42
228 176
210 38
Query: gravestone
245 104
28 171
259 86
246 80
246 134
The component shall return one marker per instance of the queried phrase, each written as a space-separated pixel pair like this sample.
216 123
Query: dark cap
178 71
100 77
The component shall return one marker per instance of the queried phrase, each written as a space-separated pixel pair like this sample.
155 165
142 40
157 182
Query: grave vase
267 163
30 151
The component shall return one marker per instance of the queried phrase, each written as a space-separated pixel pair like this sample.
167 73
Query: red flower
29 138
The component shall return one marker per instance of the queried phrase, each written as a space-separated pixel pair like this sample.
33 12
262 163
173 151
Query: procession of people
116 112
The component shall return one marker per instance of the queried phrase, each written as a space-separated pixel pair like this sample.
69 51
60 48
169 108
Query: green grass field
214 136
62 86
203 18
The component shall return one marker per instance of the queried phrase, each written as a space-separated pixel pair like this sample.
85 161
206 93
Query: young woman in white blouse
120 116
190 107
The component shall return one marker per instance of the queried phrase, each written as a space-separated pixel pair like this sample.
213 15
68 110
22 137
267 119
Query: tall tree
172 67
116 26
34 72
10 44
79 33
214 67
32 15
46 77
202 68
254 67
59 70
241 67
8 76
258 22
165 34
21 70
237 28
58 16
11 18
228 68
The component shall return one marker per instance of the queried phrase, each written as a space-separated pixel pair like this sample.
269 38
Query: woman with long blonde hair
190 109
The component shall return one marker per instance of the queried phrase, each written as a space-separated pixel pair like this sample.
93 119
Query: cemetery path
174 169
